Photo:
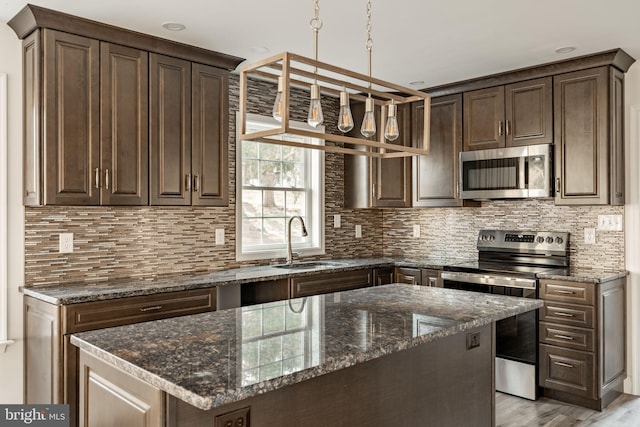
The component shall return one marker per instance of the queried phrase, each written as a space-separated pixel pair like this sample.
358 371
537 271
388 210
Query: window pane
274 231
251 203
251 231
293 175
292 154
270 152
273 203
250 150
270 174
250 172
296 203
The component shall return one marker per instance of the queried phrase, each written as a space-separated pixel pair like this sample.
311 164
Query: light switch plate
416 230
590 236
219 236
610 222
358 231
65 243
337 222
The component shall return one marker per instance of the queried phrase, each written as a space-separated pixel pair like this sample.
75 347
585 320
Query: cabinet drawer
331 282
408 275
572 292
123 311
431 278
567 336
568 314
567 370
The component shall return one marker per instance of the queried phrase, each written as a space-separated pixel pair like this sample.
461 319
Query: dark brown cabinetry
589 146
329 282
378 183
264 291
582 341
511 115
382 276
51 361
95 95
418 276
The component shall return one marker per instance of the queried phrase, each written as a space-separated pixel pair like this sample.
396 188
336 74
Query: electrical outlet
473 340
336 221
590 236
237 418
358 231
416 230
219 236
65 243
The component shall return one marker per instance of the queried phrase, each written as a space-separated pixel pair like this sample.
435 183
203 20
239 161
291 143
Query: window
276 182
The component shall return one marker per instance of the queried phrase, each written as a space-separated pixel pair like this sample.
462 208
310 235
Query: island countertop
215 358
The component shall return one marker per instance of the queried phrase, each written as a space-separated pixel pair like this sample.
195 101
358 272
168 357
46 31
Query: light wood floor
516 412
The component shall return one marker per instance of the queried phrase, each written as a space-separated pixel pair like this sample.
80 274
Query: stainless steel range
509 263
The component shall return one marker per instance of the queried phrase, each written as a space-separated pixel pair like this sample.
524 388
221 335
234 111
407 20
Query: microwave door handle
523 173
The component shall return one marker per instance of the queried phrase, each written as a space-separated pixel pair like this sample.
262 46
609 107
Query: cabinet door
616 103
392 177
382 276
329 282
430 277
581 137
31 119
435 177
210 129
170 130
529 112
71 119
484 125
124 94
408 275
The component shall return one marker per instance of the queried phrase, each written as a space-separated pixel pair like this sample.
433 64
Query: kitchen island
388 355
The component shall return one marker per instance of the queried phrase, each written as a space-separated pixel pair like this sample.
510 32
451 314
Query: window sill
4 345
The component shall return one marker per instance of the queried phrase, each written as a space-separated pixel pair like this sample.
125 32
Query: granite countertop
212 359
73 293
584 275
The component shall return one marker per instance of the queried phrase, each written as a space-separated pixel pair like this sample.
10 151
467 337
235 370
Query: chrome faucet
304 233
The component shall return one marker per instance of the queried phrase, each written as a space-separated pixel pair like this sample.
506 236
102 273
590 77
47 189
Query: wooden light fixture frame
331 80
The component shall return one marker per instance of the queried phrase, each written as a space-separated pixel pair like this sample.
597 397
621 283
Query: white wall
11 367
632 226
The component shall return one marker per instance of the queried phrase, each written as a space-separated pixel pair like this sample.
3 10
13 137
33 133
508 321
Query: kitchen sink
310 264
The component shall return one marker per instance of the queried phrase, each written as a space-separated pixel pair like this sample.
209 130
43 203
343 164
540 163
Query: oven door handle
485 279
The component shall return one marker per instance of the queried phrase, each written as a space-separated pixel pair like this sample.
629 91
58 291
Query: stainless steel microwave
504 173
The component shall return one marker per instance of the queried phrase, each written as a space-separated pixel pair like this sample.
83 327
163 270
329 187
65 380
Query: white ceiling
437 41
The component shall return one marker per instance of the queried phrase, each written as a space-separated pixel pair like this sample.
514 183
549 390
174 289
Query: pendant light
391 129
345 118
277 106
315 116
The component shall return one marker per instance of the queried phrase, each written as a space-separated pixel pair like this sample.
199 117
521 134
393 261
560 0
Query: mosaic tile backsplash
115 242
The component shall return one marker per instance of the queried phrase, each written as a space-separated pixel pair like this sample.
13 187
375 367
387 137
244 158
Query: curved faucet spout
304 233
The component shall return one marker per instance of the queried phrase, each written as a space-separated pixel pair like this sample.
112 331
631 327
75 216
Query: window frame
315 211
4 313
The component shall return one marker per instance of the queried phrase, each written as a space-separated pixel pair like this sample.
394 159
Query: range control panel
554 242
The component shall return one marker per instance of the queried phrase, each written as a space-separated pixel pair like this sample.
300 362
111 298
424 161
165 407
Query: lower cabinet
330 282
382 276
51 361
264 291
582 341
418 276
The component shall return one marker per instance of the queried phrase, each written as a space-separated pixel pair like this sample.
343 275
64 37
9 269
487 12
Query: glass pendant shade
315 116
277 105
368 128
391 130
345 118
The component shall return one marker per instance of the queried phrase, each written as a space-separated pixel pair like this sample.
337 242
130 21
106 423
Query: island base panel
438 383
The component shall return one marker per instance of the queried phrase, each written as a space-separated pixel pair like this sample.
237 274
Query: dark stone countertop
215 358
585 275
73 293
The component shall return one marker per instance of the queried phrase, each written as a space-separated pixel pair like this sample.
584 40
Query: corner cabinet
436 177
507 116
589 137
583 341
95 97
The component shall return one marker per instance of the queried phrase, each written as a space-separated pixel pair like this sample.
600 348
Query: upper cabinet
111 119
589 157
510 115
435 177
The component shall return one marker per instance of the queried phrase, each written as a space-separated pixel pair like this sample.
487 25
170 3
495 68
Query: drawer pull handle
152 308
564 337
565 365
562 291
563 314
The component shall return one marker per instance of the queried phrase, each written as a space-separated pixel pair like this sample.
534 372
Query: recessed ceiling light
416 82
173 26
565 49
259 49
